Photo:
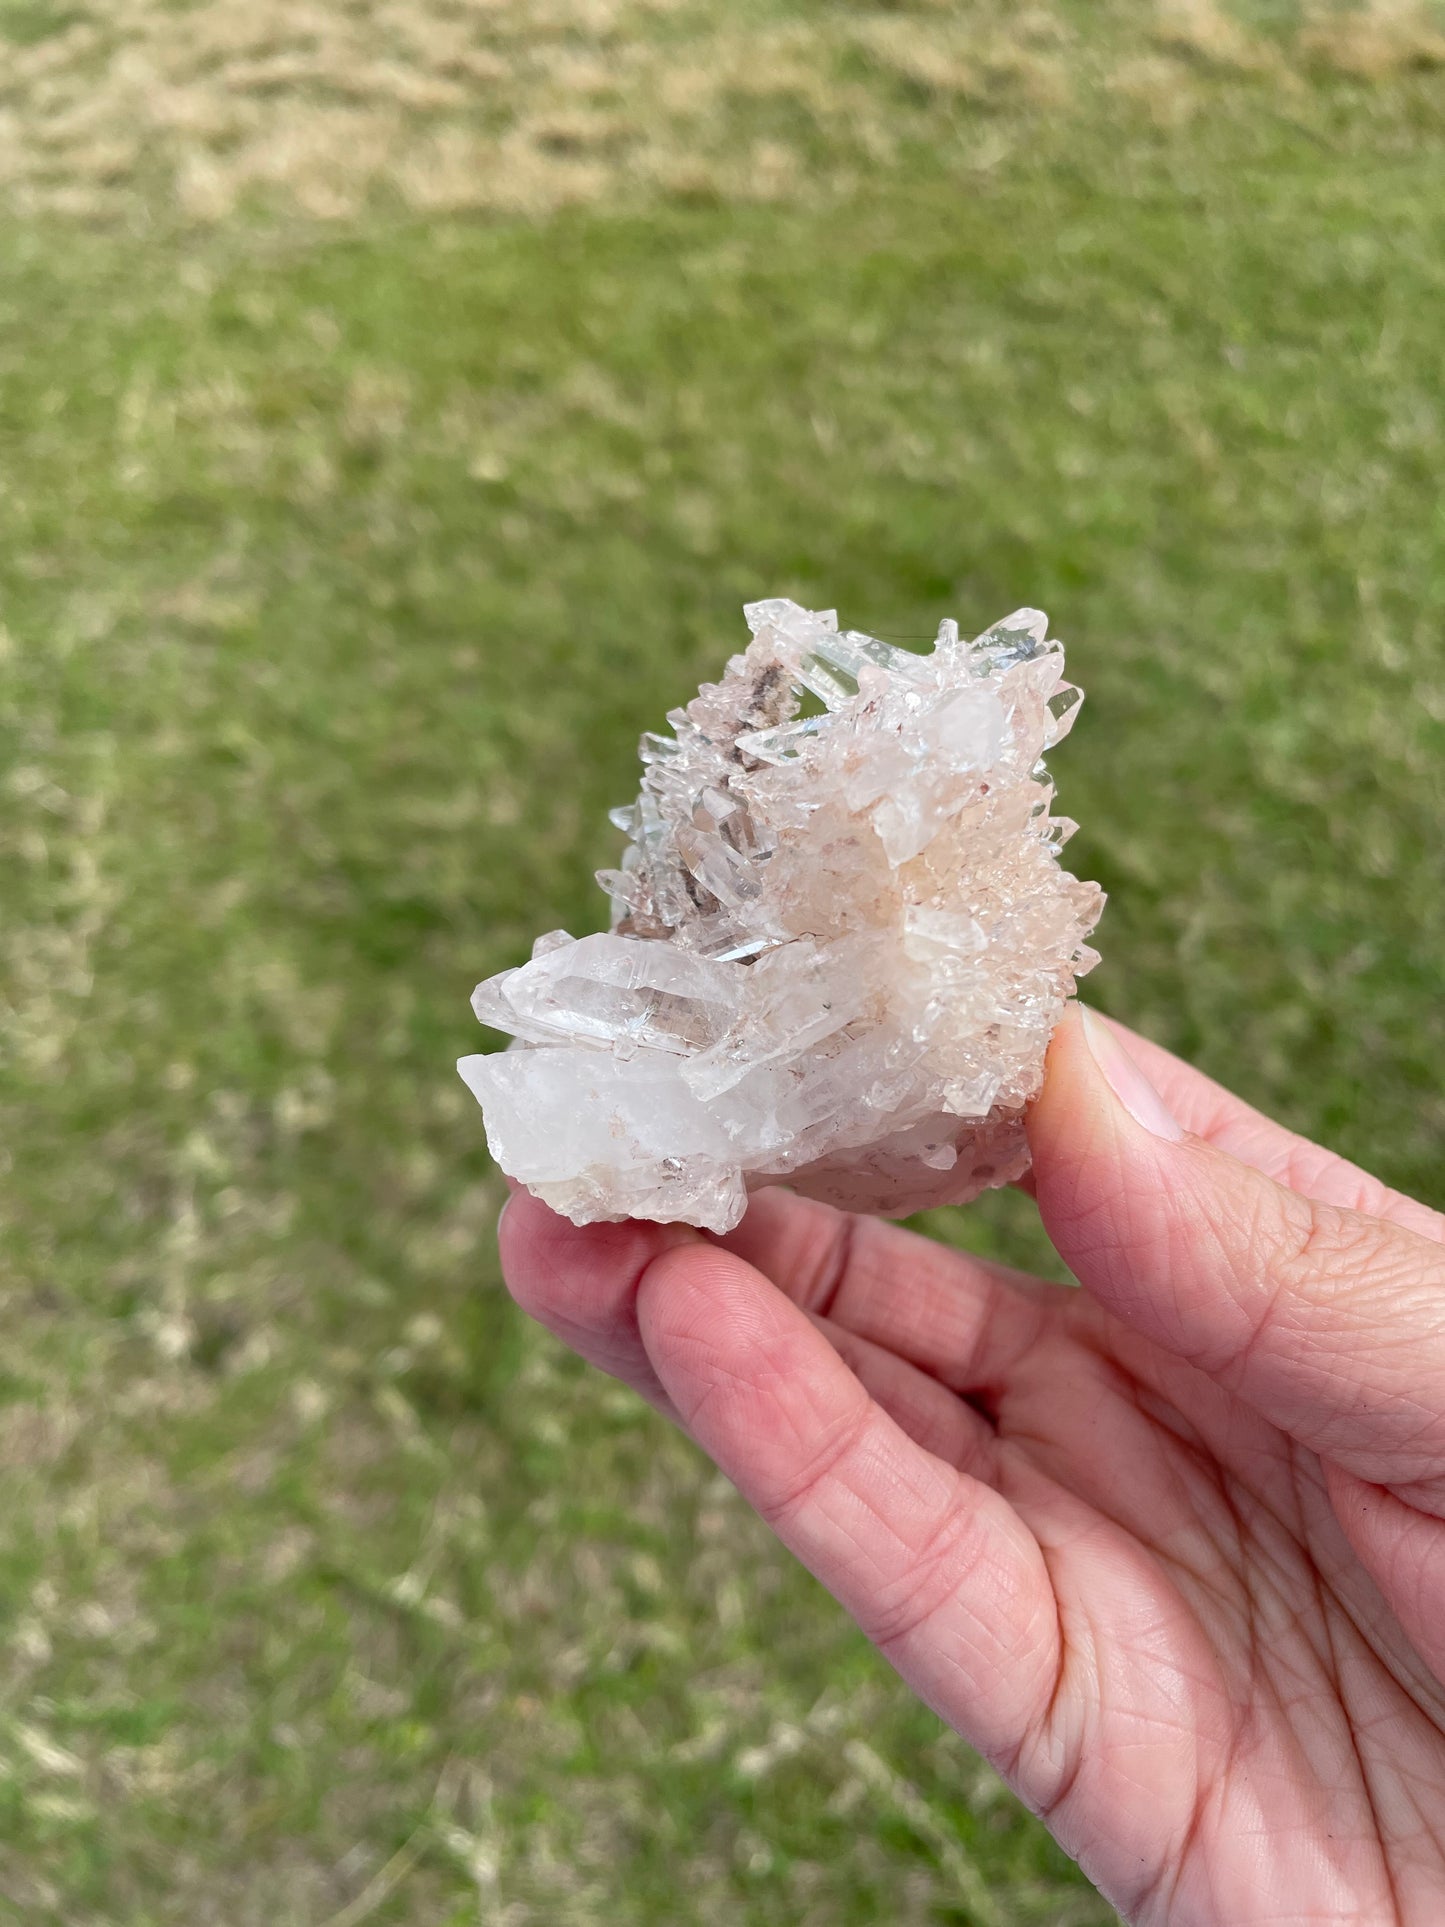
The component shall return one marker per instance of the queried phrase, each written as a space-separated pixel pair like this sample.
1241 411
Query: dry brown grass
1160 85
1206 31
526 106
449 104
1375 41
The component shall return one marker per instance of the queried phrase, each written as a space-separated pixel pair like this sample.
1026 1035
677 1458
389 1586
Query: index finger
934 1565
580 1281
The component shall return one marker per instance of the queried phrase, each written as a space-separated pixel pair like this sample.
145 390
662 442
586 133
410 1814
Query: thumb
1330 1322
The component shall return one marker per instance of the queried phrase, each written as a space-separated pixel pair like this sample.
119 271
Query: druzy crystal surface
841 938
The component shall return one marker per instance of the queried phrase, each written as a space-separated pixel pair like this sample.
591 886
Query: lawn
397 403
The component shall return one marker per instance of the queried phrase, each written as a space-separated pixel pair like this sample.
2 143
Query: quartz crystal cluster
841 938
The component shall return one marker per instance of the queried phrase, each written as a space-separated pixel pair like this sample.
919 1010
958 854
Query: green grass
340 566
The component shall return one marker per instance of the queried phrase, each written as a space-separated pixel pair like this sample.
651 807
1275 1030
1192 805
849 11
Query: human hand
1168 1550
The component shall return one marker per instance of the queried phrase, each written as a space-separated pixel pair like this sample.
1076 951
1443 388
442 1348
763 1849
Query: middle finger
962 1319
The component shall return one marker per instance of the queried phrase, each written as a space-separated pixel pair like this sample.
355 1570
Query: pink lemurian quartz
840 941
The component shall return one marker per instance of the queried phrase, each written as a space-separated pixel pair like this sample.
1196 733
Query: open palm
1170 1550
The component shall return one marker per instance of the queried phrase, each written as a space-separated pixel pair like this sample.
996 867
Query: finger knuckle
937 1573
826 1463
1334 1251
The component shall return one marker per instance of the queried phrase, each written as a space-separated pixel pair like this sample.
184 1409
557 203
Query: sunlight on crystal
840 942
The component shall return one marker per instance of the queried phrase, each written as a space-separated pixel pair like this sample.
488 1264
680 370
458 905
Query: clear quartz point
839 945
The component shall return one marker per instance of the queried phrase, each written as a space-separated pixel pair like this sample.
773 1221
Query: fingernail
1127 1081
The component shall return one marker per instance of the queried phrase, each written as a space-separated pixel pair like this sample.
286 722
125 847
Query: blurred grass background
397 402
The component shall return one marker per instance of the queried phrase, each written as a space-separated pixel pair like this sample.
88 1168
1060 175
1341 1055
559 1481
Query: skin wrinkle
1323 1611
1199 1579
1111 1247
988 1696
1395 1803
1426 1832
841 1259
927 1411
1405 1671
998 1333
1176 1559
883 1299
719 1379
937 1572
1410 1675
826 1466
1174 1868
1066 1789
1426 1577
1301 1529
1332 1256
1168 1418
1335 1434
1205 1580
1232 1366
1212 1474
1066 1650
1252 1361
1427 1497
1268 1779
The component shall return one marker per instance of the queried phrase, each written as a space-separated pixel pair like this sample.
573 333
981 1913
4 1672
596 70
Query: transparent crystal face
839 942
